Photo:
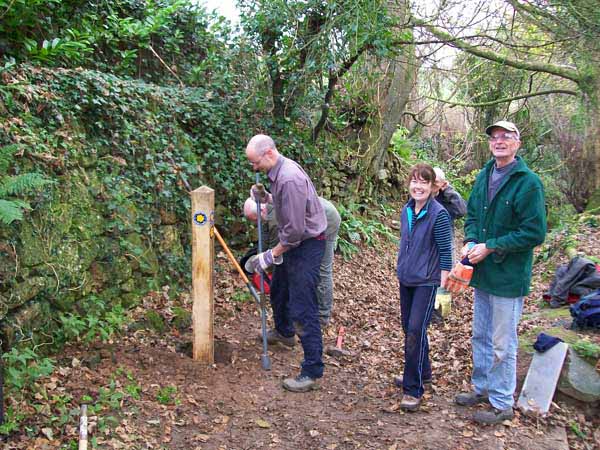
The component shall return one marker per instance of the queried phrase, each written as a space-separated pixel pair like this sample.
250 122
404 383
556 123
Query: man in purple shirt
296 257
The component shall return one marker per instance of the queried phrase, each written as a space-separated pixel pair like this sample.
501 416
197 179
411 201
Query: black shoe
470 399
493 416
399 379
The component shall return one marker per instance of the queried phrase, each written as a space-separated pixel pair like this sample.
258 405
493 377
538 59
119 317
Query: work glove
262 261
443 302
258 193
459 277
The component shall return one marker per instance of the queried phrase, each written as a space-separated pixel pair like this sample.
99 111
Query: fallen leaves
358 407
262 423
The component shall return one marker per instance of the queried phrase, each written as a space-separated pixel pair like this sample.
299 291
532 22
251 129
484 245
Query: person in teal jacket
506 220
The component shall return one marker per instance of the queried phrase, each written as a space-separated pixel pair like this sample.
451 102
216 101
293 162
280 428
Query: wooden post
203 207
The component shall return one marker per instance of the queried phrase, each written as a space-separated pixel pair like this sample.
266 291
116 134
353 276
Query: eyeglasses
503 137
254 163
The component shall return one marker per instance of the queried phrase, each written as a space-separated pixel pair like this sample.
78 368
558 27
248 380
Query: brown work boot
274 337
410 403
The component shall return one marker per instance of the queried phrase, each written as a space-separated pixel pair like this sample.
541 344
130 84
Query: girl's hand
445 274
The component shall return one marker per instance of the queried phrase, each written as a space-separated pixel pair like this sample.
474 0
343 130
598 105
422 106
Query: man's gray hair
439 174
250 209
260 143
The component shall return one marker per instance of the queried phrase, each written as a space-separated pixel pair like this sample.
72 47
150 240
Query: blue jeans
416 305
495 345
294 301
325 287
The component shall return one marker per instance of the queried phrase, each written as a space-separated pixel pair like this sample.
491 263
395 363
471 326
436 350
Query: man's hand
262 261
459 278
259 194
478 253
466 248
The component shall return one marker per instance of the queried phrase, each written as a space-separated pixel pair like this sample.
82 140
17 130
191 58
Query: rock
28 289
141 253
579 379
33 316
169 241
8 262
167 217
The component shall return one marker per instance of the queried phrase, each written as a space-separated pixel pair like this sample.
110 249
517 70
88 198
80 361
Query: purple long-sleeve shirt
299 213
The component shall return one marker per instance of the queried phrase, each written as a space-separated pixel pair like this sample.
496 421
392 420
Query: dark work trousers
416 305
294 301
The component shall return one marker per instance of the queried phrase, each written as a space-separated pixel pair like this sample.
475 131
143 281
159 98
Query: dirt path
170 402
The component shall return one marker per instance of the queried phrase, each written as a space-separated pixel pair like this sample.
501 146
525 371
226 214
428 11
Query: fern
6 154
22 184
11 208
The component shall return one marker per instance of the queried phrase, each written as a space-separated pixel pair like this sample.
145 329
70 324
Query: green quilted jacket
512 224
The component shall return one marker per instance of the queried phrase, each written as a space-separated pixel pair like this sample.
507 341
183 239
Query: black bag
586 312
251 252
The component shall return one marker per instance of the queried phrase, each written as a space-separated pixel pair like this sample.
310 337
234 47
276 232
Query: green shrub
358 226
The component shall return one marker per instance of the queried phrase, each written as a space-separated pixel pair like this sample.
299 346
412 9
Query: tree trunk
399 75
591 154
591 145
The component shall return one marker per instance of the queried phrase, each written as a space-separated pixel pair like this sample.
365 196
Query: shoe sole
410 408
275 342
282 343
495 421
313 387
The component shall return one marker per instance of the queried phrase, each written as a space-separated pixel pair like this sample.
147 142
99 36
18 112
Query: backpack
586 312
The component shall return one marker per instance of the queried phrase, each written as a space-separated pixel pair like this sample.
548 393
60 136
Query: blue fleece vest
418 254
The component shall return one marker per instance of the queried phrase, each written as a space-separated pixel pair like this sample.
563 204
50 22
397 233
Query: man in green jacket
505 219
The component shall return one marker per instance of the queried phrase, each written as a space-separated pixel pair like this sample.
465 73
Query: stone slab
542 377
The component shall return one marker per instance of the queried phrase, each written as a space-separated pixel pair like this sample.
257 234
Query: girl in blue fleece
424 262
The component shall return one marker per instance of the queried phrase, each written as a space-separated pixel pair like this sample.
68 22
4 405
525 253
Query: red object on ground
572 298
340 338
266 282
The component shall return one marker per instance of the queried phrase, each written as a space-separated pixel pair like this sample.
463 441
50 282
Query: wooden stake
83 428
203 207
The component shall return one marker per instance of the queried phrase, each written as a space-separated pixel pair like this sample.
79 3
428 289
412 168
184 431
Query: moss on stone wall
115 223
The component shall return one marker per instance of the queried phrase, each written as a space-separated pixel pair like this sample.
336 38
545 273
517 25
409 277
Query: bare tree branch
560 71
504 100
490 38
332 81
415 117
